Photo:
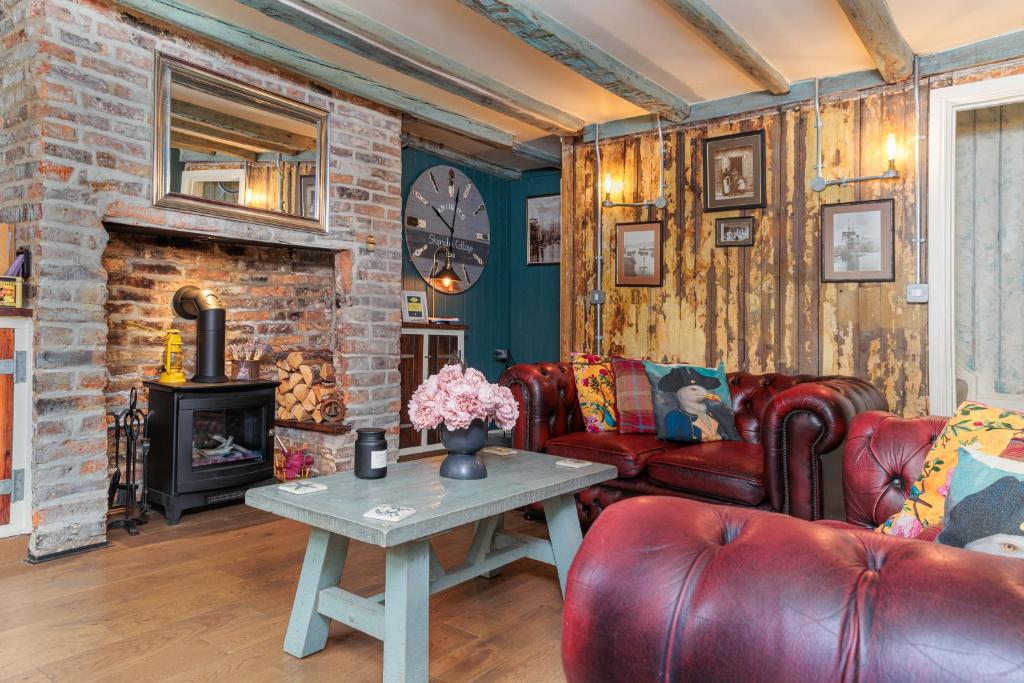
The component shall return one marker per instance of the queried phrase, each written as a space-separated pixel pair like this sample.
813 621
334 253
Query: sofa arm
883 457
669 589
799 426
546 394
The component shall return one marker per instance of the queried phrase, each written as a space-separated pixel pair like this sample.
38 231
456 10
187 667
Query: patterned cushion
633 397
985 504
991 430
691 404
595 387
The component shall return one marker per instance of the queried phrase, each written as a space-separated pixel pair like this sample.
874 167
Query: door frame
21 512
943 106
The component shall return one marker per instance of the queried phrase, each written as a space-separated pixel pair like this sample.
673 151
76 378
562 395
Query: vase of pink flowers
460 402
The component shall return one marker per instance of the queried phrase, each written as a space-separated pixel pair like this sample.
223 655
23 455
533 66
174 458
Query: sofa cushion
628 452
728 470
595 388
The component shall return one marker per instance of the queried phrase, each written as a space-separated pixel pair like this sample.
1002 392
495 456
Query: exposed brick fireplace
76 145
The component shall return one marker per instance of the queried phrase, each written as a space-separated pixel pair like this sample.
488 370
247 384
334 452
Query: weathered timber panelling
761 308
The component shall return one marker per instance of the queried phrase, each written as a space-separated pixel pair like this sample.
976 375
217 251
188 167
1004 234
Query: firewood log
307 374
301 391
283 365
283 374
310 403
294 379
318 417
284 414
295 360
327 372
319 390
299 413
288 400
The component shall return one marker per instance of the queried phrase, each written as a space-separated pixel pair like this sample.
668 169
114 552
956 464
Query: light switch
917 293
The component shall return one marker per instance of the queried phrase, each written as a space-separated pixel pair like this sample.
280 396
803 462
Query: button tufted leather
667 589
628 452
884 455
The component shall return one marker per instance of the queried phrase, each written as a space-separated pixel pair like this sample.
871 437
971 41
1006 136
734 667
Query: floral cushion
974 425
985 504
595 387
691 404
633 396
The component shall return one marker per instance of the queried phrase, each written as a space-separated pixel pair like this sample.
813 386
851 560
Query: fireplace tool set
126 490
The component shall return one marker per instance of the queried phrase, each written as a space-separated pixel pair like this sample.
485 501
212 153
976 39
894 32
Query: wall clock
447 230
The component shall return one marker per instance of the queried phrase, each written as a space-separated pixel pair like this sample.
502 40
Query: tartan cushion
633 397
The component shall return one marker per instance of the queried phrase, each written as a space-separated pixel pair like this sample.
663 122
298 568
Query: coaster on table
389 513
573 463
499 450
301 488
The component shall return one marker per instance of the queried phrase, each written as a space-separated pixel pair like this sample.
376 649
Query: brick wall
90 114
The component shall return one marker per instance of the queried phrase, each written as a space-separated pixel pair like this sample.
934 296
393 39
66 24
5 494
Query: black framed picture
307 195
734 172
544 230
857 242
734 232
638 254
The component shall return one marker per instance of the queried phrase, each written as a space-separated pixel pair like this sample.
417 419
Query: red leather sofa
676 590
788 423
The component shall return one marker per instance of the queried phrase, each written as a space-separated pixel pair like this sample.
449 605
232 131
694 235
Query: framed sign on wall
447 229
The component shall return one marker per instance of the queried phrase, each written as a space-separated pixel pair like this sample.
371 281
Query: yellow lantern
173 362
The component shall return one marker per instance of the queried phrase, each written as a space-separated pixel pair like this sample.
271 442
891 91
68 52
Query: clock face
445 211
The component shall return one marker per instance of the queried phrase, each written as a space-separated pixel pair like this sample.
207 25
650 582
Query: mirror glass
231 149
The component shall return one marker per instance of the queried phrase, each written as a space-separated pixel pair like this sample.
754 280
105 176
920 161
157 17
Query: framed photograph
307 195
857 242
414 307
734 232
734 174
544 230
638 254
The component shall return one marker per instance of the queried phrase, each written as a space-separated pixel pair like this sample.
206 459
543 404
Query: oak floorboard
208 600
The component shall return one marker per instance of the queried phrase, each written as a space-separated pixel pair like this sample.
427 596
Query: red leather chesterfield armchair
788 423
669 589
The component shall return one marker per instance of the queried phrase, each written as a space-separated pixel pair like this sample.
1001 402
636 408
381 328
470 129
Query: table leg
406 613
321 568
564 531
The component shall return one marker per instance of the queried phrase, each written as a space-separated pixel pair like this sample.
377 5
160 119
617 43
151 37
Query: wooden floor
208 600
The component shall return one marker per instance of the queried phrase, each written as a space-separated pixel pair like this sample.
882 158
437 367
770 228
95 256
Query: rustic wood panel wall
761 308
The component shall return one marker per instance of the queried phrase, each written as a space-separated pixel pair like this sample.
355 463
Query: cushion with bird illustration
691 404
595 388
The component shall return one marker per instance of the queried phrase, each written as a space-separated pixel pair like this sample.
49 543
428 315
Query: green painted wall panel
496 308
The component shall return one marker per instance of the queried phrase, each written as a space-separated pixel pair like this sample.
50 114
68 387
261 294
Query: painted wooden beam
231 137
207 146
536 154
882 39
343 26
458 157
723 36
226 34
561 43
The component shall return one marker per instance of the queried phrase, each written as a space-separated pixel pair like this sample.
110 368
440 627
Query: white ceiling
800 38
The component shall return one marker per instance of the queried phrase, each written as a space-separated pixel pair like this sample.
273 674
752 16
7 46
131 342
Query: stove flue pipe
203 305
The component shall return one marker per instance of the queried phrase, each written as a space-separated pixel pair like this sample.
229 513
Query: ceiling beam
226 34
268 137
741 53
556 40
350 30
206 146
231 137
532 153
882 39
458 157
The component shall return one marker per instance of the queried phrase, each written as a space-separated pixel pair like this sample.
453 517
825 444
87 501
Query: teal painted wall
494 307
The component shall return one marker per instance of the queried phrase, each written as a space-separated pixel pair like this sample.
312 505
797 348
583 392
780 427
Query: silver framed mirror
223 148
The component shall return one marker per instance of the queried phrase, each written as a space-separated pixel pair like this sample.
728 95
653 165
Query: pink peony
457 397
475 378
906 526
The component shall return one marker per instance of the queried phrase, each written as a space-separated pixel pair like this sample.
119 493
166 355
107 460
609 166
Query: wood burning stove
210 439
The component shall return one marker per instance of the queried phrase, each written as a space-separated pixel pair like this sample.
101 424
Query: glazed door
7 482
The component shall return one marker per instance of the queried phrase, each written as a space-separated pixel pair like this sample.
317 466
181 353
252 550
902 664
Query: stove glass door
228 436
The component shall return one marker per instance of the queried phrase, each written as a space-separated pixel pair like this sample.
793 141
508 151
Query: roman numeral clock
447 230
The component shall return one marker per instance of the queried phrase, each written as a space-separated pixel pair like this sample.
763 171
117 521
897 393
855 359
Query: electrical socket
501 355
917 293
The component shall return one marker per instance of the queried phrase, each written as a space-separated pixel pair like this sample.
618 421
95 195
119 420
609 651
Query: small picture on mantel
734 232
414 307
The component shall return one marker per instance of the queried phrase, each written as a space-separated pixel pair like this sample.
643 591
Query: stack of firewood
304 388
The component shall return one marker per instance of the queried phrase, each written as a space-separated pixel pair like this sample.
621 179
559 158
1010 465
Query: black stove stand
209 442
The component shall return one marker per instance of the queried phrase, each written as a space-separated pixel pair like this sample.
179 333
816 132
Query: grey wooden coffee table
399 615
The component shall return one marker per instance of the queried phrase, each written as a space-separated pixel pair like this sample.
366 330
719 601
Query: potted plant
461 402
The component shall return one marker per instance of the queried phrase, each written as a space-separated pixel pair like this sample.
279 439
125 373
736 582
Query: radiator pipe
204 306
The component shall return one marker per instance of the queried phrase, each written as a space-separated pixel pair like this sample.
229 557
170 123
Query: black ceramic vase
462 444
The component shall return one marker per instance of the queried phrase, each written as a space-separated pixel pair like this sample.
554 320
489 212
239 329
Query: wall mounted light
818 183
611 185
